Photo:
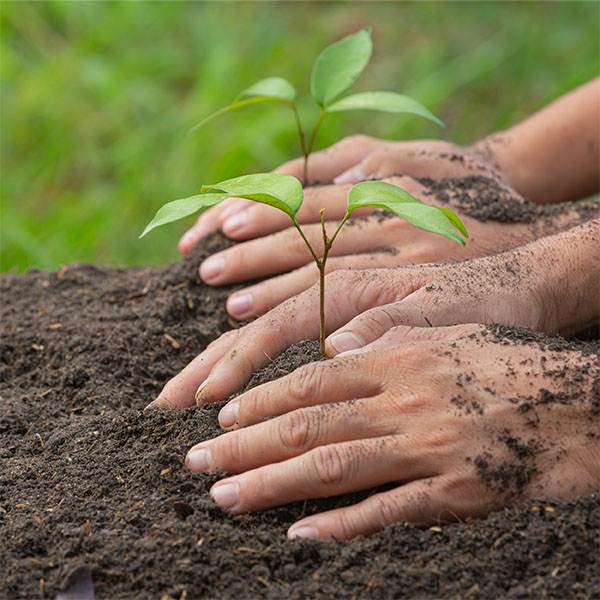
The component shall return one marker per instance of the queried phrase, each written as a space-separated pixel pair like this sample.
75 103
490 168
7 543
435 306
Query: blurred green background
96 98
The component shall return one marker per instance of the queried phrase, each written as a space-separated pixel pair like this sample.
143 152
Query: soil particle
89 478
485 199
297 355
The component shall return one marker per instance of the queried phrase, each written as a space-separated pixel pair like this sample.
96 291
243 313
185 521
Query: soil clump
92 484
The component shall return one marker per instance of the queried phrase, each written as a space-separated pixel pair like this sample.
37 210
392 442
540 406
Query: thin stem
338 228
300 130
322 308
297 226
326 247
310 145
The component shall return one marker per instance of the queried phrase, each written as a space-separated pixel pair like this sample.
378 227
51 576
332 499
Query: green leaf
339 65
173 211
453 218
271 87
280 191
379 194
240 104
385 102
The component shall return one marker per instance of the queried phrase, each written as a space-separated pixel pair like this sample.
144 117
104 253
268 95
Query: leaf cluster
285 193
336 68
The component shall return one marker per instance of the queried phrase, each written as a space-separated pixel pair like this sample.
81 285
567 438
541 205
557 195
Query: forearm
569 266
552 156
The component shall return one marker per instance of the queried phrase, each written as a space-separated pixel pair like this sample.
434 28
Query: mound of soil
93 490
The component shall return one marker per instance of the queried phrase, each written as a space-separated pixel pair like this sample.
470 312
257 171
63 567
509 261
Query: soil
94 494
485 199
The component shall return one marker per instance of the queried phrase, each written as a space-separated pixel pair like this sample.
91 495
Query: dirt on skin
485 199
90 479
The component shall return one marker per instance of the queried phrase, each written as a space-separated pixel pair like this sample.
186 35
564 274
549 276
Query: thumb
415 309
403 334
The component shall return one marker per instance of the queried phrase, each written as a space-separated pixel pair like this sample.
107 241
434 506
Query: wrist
498 152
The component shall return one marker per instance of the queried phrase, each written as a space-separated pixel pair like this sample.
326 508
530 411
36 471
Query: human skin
529 157
462 440
549 285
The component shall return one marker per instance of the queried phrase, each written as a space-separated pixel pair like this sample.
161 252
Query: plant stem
322 308
302 139
326 247
321 266
310 145
297 226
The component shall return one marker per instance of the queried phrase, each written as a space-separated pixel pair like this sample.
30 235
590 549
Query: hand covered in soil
548 285
378 240
353 159
463 427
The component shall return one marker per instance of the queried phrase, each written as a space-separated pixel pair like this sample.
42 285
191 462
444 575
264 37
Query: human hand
378 240
465 421
360 306
353 159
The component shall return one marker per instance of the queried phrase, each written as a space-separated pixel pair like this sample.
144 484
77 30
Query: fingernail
198 396
229 414
225 495
212 267
237 221
350 176
345 341
160 403
240 304
303 532
188 237
198 460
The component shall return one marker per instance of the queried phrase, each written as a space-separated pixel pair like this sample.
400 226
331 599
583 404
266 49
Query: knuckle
381 318
442 438
328 465
227 451
304 383
384 511
296 430
355 140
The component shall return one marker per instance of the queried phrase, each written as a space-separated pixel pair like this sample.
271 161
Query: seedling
285 193
335 70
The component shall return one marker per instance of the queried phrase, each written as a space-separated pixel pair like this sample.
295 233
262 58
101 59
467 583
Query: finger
258 299
259 219
373 323
324 165
298 319
422 502
414 309
406 159
310 385
180 390
326 471
208 222
286 250
289 435
403 334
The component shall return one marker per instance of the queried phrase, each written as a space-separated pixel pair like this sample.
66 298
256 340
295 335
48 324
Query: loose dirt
93 489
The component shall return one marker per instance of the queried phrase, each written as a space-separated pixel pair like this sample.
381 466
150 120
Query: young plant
335 70
285 193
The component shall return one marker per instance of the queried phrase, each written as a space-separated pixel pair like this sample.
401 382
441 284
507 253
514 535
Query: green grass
97 96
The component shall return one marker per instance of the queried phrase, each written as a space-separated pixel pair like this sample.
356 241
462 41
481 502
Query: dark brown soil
88 478
485 199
